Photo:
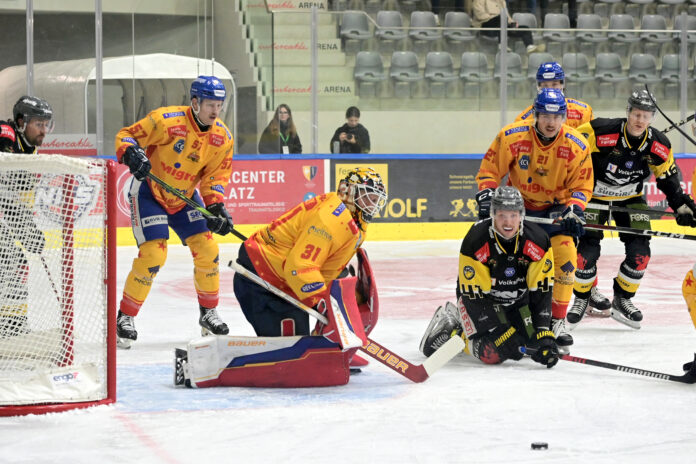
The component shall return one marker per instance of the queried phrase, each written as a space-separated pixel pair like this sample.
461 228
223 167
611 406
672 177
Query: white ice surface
467 412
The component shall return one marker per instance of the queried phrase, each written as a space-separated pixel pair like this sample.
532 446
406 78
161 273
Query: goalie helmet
550 71
363 192
550 101
29 108
642 100
208 87
507 199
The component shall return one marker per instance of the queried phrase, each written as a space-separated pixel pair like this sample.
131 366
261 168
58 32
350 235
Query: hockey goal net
57 292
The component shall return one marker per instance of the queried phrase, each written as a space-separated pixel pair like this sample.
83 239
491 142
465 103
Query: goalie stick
625 230
193 204
688 377
414 372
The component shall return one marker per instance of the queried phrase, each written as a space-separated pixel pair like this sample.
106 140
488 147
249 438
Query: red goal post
57 283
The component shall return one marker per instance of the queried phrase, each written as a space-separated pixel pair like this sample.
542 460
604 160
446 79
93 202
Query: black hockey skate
180 361
444 323
576 312
13 326
211 323
623 310
563 338
125 331
599 304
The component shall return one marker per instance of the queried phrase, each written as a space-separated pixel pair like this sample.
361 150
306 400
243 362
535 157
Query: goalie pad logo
52 191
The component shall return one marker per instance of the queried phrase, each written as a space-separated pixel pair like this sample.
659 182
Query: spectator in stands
487 14
280 136
352 137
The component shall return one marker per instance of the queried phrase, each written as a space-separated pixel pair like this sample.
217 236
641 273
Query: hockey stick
625 230
679 124
622 209
414 372
688 377
674 125
193 204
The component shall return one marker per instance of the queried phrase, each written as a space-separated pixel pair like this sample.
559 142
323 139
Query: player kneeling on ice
300 255
503 289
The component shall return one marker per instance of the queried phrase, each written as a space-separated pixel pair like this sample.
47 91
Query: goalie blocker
317 360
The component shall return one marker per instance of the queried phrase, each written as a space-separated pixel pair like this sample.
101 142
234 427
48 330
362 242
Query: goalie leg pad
345 325
282 362
444 324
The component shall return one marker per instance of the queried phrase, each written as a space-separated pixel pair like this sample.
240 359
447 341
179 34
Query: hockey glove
572 221
34 241
137 161
483 199
221 223
686 212
546 350
507 342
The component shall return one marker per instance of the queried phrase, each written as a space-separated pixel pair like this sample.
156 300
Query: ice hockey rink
466 412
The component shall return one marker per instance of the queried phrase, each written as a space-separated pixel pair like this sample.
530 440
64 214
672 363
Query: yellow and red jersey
559 173
181 154
307 247
578 113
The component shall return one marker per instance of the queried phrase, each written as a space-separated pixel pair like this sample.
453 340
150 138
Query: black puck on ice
537 445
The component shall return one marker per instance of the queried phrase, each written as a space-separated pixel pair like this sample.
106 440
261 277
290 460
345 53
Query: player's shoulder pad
171 114
577 102
7 132
575 137
221 126
525 114
658 136
533 231
477 236
516 127
606 125
333 213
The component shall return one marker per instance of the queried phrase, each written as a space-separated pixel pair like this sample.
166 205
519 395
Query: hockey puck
538 445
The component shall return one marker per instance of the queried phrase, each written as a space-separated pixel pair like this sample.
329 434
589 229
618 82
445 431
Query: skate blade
205 332
563 349
123 343
601 313
570 325
618 317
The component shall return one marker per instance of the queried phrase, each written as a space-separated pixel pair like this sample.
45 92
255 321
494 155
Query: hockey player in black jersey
32 121
625 152
503 289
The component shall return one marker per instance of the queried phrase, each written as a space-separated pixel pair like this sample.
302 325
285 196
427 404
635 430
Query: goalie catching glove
546 350
137 162
221 221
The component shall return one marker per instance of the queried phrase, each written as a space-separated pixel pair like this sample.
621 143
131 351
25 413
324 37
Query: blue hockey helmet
550 101
208 87
550 71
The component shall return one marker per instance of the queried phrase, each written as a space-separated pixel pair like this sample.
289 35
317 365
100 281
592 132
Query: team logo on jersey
468 272
548 265
177 131
173 115
579 142
515 130
607 140
309 172
629 164
509 272
483 253
179 146
308 196
308 288
612 167
523 162
194 156
339 209
218 188
568 267
7 132
660 150
533 250
490 154
216 140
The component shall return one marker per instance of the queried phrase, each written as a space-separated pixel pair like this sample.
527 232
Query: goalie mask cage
57 283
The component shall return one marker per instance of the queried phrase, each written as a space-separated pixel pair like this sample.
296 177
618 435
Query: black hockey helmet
28 108
642 100
507 198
